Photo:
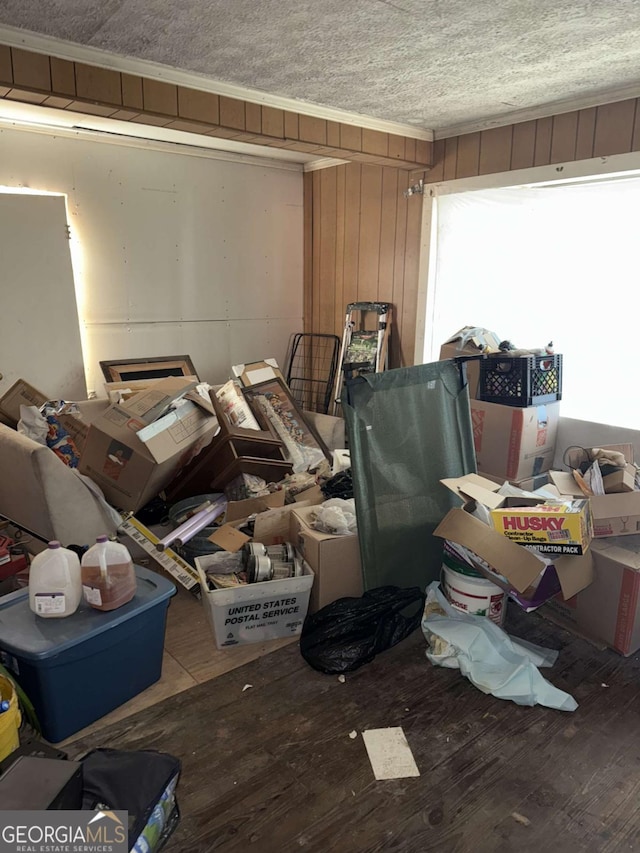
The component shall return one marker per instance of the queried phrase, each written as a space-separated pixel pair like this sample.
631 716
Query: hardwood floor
273 768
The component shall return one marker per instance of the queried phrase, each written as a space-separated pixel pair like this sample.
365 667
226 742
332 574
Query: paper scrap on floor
493 661
389 753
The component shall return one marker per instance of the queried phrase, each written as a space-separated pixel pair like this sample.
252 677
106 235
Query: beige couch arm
41 494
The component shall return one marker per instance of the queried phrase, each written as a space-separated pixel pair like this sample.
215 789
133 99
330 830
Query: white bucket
474 595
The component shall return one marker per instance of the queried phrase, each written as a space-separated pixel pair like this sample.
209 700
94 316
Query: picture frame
301 441
159 367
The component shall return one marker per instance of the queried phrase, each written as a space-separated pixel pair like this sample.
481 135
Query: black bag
350 632
136 782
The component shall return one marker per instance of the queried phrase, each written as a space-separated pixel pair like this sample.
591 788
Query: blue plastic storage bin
77 669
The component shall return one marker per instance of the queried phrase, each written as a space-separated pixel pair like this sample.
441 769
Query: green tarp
407 429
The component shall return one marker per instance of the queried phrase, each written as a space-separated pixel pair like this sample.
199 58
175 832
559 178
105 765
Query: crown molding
15 37
567 105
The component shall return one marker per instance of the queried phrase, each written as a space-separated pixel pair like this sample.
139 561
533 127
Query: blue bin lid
28 636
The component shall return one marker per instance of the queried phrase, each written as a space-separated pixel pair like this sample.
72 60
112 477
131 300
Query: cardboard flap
514 562
616 505
151 404
243 509
204 402
274 526
574 574
229 538
565 484
475 487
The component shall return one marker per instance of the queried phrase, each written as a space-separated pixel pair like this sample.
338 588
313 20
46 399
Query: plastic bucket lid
9 720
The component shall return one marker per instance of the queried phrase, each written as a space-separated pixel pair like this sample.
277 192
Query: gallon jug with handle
108 578
55 584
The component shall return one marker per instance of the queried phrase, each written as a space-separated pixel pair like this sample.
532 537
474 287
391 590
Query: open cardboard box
613 514
522 569
132 460
561 527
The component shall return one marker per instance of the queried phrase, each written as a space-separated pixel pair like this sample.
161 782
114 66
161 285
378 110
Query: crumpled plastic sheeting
336 516
493 661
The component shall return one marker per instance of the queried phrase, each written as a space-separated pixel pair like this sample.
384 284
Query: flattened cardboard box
130 472
335 560
609 609
614 514
512 442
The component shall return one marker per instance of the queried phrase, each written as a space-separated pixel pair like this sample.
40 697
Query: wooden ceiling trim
39 79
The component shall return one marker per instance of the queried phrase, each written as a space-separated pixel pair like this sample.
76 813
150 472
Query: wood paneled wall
362 242
36 78
596 132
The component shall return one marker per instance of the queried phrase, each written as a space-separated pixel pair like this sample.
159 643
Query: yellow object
552 528
9 720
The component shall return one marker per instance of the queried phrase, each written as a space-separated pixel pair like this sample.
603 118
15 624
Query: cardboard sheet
389 753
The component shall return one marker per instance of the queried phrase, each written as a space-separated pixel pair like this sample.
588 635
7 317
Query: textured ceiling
430 63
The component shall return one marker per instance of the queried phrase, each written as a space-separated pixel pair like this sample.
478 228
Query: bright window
548 263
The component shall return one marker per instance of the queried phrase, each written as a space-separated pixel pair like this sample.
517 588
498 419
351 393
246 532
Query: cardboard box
614 514
622 480
255 612
258 612
520 568
512 442
131 472
20 394
551 528
470 341
609 609
335 561
77 424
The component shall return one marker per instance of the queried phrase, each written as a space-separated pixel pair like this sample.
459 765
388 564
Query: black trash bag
350 632
141 782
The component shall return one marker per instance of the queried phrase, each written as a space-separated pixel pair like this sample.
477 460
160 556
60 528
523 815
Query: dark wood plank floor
273 768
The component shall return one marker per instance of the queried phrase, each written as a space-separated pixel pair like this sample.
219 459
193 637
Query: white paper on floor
389 753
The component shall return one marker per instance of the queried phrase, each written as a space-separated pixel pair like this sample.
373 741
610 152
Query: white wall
180 254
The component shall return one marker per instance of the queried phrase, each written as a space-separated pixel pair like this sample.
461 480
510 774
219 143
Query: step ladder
365 343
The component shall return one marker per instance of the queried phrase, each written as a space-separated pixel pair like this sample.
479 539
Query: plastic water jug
55 583
108 578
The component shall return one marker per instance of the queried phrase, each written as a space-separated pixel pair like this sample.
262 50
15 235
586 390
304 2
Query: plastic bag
493 661
350 632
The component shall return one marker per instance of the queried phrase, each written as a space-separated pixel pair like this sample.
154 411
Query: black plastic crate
526 380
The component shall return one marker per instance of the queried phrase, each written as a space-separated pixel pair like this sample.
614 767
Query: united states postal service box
131 471
470 341
513 442
609 609
335 560
616 514
258 612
